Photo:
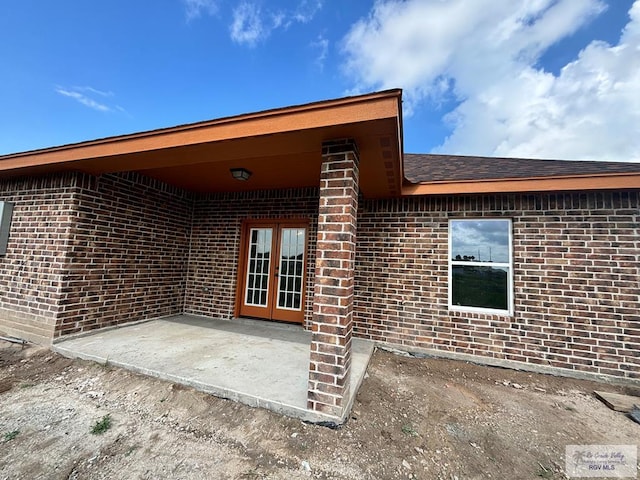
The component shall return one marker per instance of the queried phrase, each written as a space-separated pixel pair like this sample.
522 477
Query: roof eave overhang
375 118
609 181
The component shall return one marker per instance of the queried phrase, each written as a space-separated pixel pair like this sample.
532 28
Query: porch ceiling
282 148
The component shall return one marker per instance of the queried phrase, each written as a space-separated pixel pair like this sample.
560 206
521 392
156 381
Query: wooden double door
273 270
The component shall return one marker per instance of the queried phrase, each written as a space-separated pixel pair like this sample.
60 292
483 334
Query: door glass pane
290 268
258 267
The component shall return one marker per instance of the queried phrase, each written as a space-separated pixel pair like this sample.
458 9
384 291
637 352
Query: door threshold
270 323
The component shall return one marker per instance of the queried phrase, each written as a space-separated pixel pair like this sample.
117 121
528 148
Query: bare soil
413 418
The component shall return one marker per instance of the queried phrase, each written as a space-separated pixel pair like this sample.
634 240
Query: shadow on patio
258 363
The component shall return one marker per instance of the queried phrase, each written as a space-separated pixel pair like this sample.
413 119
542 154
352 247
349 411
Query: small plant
408 429
131 450
252 474
102 425
544 472
11 435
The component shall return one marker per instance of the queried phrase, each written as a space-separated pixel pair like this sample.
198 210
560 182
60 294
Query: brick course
576 259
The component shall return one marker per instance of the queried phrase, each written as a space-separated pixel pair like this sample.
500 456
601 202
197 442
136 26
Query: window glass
480 265
480 240
483 287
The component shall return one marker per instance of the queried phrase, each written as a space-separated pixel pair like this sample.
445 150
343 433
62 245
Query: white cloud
84 96
195 8
306 10
94 91
322 45
251 25
485 53
247 26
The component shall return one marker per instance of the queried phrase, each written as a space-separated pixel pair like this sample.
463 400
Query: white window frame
507 265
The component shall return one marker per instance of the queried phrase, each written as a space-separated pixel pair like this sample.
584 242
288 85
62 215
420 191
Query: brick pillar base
332 325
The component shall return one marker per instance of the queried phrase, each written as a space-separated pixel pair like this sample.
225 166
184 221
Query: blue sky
528 78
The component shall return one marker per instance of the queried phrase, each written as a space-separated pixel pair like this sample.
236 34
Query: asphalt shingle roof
420 168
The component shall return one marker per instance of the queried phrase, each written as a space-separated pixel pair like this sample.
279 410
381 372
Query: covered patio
261 364
252 216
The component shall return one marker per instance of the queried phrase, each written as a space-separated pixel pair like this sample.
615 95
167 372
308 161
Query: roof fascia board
328 113
610 181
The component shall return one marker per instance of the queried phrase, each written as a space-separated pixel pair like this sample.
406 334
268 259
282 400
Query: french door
272 274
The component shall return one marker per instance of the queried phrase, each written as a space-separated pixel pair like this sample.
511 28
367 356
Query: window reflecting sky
484 240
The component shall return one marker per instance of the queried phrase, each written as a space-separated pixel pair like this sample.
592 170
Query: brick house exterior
576 264
139 227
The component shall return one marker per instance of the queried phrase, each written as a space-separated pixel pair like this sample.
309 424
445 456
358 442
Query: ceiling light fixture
241 174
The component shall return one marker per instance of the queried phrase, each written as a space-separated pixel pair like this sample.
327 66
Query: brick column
329 371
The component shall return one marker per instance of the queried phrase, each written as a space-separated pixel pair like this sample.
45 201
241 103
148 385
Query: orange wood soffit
608 181
323 114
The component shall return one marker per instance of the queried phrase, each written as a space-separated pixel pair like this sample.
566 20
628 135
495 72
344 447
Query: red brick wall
215 243
576 264
128 252
32 270
88 252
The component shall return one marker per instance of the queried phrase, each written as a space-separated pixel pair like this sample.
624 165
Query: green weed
544 472
130 451
102 425
408 429
11 435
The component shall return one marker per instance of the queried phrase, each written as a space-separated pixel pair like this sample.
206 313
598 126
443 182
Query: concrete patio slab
258 363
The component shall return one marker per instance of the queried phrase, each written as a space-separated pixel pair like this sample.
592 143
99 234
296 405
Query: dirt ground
413 418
